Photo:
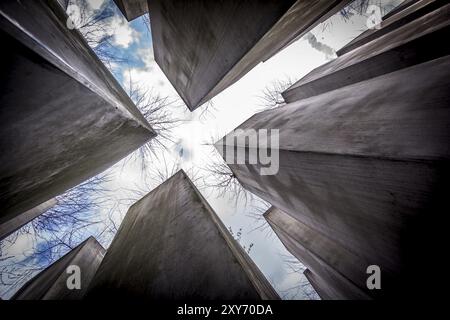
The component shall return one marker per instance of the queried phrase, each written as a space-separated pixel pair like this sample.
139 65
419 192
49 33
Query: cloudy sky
189 149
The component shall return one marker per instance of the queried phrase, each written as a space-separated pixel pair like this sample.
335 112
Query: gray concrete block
416 42
51 283
342 272
63 116
367 165
203 47
411 13
171 245
132 9
22 219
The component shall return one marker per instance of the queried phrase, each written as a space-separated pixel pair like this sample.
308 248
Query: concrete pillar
63 116
317 283
51 283
171 245
402 6
22 219
344 272
411 13
205 46
132 9
367 165
413 43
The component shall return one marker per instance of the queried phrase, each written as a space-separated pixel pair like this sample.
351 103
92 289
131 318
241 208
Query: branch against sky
158 110
97 28
54 233
302 288
271 95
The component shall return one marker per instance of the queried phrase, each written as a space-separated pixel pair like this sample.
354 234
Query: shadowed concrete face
63 116
416 42
51 284
205 46
411 13
22 219
366 165
342 273
171 245
132 9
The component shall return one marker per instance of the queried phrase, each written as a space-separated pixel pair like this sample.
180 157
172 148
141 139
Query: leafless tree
238 238
95 26
158 111
303 287
55 232
271 95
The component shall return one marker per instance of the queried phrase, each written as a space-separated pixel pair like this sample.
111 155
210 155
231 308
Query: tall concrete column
366 165
413 43
342 272
51 284
22 219
409 14
205 46
171 245
63 116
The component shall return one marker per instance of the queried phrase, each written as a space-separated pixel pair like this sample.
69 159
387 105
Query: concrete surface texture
409 14
413 43
171 245
367 165
344 271
205 46
63 116
51 283
22 219
132 9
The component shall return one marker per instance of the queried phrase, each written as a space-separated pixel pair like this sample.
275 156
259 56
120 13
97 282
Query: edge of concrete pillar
50 283
316 284
132 9
401 48
293 23
320 254
402 6
10 226
408 15
29 24
118 284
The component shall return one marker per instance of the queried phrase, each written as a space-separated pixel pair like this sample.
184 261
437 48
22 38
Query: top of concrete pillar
203 47
51 283
172 245
132 9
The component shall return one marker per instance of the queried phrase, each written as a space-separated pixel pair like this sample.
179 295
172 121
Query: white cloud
123 34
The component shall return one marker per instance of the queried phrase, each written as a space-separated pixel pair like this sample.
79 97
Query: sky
190 149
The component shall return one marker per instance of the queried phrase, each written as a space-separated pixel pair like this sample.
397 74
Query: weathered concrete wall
413 43
409 14
22 219
51 284
344 271
205 46
366 165
132 9
171 245
63 116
